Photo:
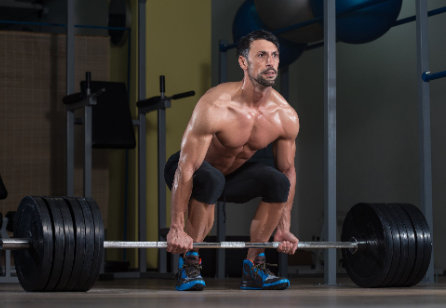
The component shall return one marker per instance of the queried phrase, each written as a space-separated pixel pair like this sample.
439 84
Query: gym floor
304 292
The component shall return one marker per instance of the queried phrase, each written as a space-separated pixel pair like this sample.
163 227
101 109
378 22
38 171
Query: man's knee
276 188
208 185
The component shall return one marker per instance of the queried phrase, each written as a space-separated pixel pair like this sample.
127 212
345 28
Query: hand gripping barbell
58 244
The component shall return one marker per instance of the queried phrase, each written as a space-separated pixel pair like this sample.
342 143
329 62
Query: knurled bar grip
18 243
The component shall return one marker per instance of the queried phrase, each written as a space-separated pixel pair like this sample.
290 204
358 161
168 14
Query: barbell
58 244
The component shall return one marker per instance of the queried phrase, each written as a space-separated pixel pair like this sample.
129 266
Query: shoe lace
264 267
191 269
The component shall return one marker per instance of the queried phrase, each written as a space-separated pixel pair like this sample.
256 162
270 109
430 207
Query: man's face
263 62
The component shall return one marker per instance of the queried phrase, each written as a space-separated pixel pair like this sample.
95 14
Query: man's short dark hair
245 42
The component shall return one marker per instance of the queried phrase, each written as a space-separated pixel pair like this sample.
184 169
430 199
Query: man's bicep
196 139
284 152
285 146
194 148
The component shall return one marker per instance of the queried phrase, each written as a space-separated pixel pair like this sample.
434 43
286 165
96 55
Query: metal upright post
162 267
142 134
70 90
285 91
330 138
88 143
424 122
221 223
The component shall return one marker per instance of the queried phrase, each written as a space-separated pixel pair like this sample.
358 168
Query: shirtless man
229 124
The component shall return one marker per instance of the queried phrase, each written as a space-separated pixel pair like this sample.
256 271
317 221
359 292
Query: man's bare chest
255 133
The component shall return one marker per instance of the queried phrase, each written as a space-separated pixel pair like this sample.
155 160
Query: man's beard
262 81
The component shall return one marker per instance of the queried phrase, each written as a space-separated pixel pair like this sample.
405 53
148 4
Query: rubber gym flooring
304 292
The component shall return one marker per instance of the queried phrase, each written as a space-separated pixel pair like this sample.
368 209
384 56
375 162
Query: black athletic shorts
251 180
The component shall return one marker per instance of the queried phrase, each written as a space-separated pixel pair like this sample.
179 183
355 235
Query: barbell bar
58 244
22 243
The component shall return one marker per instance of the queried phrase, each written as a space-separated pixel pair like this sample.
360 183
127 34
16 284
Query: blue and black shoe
189 273
258 277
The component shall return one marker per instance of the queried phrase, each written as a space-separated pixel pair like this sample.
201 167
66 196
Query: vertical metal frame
88 148
221 219
142 229
424 122
285 91
330 138
162 254
70 90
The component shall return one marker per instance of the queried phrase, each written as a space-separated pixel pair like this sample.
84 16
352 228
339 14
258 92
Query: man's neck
254 93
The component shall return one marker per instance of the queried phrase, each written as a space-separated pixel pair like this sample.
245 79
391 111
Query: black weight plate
369 265
79 233
58 242
70 245
33 265
384 212
400 258
423 243
419 242
412 246
89 246
98 242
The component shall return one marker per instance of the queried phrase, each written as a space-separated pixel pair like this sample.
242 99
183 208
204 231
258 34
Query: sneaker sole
197 286
278 286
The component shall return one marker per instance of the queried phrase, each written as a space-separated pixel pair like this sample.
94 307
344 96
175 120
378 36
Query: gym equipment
103 108
358 21
361 21
6 269
59 242
247 20
112 127
65 247
401 252
288 13
160 104
428 76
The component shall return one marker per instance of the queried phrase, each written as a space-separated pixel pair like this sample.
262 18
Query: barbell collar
14 243
17 243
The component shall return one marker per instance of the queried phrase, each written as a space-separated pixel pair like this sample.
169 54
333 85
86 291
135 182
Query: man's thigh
208 182
254 180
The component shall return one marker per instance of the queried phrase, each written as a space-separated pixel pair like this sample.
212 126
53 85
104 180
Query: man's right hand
179 241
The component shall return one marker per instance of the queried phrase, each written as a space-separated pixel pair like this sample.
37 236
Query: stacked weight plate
67 243
398 246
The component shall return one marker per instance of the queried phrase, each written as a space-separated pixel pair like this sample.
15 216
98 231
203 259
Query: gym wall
33 117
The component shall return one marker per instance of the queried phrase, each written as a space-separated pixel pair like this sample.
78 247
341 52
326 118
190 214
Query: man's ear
243 62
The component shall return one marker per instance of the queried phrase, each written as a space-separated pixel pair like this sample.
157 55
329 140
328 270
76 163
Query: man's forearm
285 220
181 191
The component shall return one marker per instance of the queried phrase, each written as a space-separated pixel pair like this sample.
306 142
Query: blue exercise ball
247 20
364 25
284 13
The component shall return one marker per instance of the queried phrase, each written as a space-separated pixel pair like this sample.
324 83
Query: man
229 124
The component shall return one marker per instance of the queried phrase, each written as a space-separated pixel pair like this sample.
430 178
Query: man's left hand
288 242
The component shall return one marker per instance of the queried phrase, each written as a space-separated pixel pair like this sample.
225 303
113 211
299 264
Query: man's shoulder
288 115
223 91
282 105
221 95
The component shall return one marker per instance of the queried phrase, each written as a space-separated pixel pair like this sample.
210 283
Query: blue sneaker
189 273
258 277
